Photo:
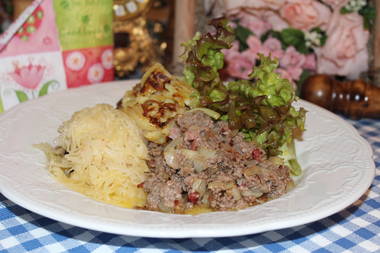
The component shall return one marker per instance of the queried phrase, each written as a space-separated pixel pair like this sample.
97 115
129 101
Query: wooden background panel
376 41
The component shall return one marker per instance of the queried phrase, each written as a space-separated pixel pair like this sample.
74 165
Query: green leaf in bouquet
292 36
45 87
345 10
369 15
271 33
242 33
296 38
22 97
304 75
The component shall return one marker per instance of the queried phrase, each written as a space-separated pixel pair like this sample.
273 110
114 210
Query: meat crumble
207 164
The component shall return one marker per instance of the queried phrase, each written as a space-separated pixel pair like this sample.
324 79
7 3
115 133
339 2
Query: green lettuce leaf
261 108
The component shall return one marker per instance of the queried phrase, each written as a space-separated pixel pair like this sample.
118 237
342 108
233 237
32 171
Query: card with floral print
55 45
87 66
38 34
25 77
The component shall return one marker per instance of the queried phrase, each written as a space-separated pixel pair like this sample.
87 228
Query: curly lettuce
261 107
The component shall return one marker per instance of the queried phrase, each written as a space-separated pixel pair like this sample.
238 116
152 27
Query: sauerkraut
101 154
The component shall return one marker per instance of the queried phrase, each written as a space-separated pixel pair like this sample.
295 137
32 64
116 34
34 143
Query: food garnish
261 107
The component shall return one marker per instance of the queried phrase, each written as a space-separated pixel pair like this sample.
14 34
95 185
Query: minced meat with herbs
207 164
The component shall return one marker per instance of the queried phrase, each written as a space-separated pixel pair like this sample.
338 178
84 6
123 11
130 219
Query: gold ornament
130 23
128 9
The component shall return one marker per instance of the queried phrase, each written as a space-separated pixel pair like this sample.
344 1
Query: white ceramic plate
337 162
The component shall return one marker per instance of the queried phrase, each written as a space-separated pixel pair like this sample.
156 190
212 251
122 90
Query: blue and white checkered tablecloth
355 229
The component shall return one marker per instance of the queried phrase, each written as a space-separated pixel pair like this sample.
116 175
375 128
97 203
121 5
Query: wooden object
376 45
184 27
356 99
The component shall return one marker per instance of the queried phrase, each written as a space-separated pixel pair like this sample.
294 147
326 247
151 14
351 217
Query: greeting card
55 45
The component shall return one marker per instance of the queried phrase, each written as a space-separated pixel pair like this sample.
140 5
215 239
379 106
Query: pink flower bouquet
306 36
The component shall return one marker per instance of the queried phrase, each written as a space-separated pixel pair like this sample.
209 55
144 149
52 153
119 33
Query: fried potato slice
156 100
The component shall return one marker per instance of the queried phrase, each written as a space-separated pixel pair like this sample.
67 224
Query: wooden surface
376 62
184 28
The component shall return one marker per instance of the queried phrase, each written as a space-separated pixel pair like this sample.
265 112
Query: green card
84 23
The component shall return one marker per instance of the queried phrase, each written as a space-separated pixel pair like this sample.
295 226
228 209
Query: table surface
355 229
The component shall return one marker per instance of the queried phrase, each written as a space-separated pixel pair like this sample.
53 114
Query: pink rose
284 74
336 4
273 44
310 62
345 52
274 47
271 4
253 23
255 47
259 20
231 52
276 21
257 4
254 44
305 14
250 56
292 59
294 72
240 65
220 7
277 54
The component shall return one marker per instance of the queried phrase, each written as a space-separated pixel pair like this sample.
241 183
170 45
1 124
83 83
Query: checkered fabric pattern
355 229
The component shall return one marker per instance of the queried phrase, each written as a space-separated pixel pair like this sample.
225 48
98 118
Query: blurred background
143 27
328 49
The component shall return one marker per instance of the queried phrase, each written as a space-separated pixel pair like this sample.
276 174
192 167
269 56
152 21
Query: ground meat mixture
207 164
